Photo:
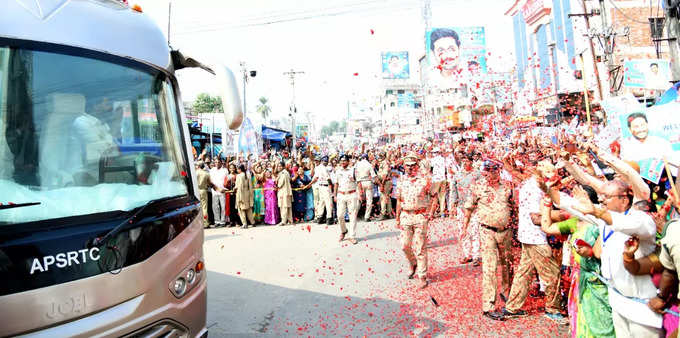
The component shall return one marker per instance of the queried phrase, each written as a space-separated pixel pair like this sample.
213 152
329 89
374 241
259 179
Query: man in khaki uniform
414 211
322 180
347 198
385 181
244 197
365 177
285 195
491 201
204 185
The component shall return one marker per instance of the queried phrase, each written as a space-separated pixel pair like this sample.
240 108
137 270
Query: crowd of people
604 242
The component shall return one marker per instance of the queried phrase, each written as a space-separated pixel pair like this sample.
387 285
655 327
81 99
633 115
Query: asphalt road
300 281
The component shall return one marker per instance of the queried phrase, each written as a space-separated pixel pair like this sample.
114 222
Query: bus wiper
98 241
17 205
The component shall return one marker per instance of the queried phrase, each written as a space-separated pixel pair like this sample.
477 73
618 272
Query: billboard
395 65
456 56
648 73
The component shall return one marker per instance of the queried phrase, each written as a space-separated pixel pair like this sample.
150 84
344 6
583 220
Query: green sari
593 312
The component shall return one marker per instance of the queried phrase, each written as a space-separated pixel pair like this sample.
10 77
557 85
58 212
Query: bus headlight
191 275
186 279
179 287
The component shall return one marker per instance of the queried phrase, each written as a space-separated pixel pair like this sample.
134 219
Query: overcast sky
329 40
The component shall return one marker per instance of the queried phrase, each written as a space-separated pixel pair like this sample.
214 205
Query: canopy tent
274 134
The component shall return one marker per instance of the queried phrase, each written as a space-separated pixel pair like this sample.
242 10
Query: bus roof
107 26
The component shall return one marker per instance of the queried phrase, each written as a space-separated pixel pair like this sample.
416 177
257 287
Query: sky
328 40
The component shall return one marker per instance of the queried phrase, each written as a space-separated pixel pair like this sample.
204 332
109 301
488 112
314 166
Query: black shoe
320 221
494 315
518 314
504 298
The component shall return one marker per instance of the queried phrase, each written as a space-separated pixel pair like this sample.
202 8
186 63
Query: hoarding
395 65
456 56
647 73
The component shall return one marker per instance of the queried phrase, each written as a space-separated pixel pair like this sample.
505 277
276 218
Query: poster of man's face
455 53
395 65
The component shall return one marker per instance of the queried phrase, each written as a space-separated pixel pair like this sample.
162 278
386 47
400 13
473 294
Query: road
300 281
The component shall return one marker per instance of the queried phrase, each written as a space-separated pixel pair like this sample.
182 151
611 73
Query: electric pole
596 71
293 109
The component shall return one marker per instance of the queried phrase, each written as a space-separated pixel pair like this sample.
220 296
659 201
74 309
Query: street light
246 75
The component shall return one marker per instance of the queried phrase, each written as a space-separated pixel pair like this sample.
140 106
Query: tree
263 108
205 103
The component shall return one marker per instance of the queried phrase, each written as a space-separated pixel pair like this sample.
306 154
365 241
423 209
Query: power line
275 17
301 16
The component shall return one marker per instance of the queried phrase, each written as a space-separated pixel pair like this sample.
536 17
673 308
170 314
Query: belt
347 192
416 211
323 185
492 228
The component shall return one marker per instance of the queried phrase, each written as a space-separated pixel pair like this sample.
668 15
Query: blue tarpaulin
273 134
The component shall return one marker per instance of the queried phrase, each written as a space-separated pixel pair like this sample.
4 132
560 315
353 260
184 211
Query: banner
648 73
615 108
395 65
649 136
247 138
456 56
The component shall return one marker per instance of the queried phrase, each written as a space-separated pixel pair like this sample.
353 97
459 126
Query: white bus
100 226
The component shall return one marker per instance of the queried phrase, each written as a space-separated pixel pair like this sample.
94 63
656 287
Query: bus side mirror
231 102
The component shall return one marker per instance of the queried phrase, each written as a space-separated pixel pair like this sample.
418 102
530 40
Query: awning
273 134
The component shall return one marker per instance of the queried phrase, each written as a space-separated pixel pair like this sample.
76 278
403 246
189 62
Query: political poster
395 65
247 138
647 73
651 135
456 56
615 108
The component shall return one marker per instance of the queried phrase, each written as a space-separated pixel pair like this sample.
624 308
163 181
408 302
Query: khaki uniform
492 208
348 199
203 179
285 196
324 200
385 177
365 176
244 199
414 197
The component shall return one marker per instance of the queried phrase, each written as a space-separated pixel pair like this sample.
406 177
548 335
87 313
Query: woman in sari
590 314
271 207
299 184
230 199
258 194
309 193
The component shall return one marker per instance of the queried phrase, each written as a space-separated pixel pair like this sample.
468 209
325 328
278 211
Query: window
96 136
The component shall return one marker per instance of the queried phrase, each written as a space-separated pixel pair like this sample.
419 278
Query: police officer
322 180
385 186
346 196
415 207
365 176
204 184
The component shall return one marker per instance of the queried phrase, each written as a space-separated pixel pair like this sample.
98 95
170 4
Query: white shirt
530 196
653 147
438 169
613 241
217 178
321 175
451 168
365 171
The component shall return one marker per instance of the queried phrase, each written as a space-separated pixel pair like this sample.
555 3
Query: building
559 51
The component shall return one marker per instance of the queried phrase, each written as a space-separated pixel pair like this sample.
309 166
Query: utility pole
608 48
427 20
293 109
587 16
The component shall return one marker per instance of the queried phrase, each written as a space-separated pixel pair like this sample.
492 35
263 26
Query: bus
100 226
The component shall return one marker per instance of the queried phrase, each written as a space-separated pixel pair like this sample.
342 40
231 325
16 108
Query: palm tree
263 108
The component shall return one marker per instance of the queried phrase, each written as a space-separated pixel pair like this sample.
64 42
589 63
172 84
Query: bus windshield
82 134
